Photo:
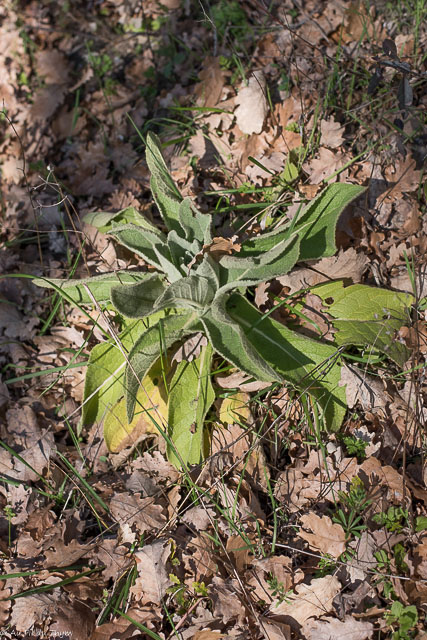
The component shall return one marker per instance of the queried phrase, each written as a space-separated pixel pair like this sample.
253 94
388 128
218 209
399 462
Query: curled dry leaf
240 380
327 537
153 577
360 387
143 513
333 629
252 105
347 265
325 165
331 133
191 348
309 600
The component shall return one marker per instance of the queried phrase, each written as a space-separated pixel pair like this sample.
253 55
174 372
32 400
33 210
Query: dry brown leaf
213 78
153 577
309 600
327 537
239 380
360 387
65 554
198 517
191 348
143 513
325 165
52 65
226 604
333 629
33 609
331 133
252 104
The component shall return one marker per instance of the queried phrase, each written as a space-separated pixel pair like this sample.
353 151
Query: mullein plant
191 291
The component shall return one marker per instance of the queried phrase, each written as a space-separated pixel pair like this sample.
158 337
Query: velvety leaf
193 292
105 373
368 316
104 221
138 300
181 250
229 340
164 190
317 222
197 225
74 290
309 365
253 270
209 269
148 348
153 402
149 246
191 396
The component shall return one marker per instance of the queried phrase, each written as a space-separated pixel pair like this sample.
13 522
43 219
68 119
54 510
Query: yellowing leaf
235 409
151 405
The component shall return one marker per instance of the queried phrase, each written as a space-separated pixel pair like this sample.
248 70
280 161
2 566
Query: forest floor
286 530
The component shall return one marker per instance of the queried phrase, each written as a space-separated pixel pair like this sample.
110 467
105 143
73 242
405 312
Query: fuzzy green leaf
191 396
197 225
315 225
253 270
104 221
193 293
149 246
318 220
105 372
164 190
368 316
138 300
229 340
309 365
100 286
149 347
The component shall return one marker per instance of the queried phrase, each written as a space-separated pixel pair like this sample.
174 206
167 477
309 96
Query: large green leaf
164 190
317 222
315 225
193 293
138 300
149 347
104 221
197 225
191 396
100 286
105 373
309 365
149 246
228 339
368 316
253 270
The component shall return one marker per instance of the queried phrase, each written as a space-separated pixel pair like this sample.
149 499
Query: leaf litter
249 546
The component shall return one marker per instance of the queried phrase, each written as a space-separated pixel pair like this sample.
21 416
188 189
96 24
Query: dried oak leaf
347 265
331 133
327 537
226 604
212 78
360 387
33 609
143 513
252 105
190 349
308 601
325 165
122 628
333 629
153 577
66 554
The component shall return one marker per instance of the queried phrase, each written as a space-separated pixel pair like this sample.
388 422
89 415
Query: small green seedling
405 618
